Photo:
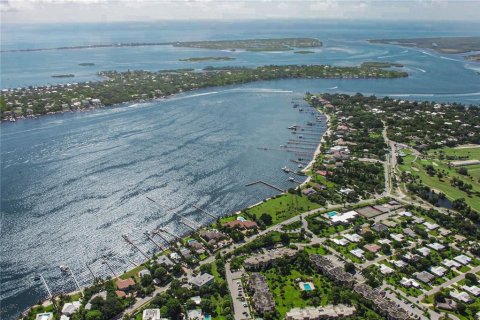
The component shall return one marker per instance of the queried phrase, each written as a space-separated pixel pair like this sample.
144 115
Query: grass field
287 293
415 165
283 207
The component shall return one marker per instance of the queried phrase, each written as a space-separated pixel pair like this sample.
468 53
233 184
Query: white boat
300 166
64 269
286 169
291 178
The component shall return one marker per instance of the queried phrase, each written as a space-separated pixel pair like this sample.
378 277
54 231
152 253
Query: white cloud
128 10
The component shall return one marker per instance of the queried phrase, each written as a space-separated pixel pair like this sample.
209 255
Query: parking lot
237 291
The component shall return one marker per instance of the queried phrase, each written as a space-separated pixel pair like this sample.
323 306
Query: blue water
332 214
72 184
307 287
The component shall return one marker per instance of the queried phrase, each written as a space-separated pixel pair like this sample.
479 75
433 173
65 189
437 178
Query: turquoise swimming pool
307 287
332 214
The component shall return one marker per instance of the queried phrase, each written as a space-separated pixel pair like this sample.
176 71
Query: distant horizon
95 11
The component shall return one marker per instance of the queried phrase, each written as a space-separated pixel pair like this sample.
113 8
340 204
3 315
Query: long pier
204 211
154 242
265 183
125 237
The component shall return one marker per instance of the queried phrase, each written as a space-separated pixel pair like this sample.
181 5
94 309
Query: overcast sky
31 11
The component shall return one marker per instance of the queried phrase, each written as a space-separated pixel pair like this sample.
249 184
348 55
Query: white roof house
397 237
202 279
70 308
102 294
461 296
398 263
357 253
151 314
463 259
144 272
341 242
406 282
424 251
385 269
474 290
44 316
438 271
451 263
195 314
343 217
353 237
430 226
384 241
418 220
436 246
405 214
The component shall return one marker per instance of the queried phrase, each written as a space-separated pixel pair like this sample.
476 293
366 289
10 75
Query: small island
304 52
200 59
375 64
281 44
86 64
69 75
473 57
449 45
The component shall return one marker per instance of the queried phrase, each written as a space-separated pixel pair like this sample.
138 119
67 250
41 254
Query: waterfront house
125 284
44 316
144 272
70 308
241 224
102 294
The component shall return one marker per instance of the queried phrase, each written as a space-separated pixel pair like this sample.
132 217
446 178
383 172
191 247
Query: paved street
449 282
241 311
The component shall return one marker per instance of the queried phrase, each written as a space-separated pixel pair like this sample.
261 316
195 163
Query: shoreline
317 151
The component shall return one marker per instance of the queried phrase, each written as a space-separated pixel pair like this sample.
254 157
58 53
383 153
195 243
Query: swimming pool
332 214
307 287
241 219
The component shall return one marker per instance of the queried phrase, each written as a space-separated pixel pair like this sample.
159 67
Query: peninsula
201 59
119 87
280 44
449 45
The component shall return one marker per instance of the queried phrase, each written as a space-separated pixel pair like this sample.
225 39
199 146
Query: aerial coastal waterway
83 179
73 183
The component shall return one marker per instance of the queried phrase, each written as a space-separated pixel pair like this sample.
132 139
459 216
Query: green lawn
287 292
443 184
283 207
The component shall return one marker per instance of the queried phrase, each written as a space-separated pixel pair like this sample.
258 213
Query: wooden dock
266 184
